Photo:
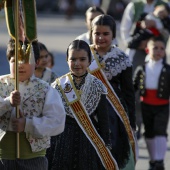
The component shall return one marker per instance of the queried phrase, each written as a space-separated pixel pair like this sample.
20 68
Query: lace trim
114 61
92 90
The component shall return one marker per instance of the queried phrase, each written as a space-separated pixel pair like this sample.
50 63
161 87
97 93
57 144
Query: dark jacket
163 84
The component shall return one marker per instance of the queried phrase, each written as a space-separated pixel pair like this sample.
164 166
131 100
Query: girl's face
78 61
102 37
25 70
43 60
156 50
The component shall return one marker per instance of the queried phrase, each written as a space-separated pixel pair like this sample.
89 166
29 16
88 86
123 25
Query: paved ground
57 33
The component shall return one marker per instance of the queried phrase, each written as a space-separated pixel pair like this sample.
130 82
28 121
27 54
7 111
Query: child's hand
18 124
15 98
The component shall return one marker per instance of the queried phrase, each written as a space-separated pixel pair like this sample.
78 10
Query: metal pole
16 4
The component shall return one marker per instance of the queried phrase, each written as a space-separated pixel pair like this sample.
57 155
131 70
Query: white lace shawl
114 61
92 90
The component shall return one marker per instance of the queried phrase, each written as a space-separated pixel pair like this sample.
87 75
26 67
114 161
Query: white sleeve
5 105
52 121
127 23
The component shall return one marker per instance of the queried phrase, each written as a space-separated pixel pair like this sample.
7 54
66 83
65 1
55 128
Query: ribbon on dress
80 114
96 69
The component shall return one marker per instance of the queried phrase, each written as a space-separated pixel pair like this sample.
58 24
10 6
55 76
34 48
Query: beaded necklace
79 78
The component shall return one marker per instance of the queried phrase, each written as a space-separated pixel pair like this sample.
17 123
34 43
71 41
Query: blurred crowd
71 7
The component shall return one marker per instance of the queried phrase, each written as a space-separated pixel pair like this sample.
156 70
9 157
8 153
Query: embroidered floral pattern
33 101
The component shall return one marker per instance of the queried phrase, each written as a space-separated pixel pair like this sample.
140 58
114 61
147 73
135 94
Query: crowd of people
90 118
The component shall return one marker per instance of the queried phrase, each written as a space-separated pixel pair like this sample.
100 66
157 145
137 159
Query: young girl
42 71
85 141
153 82
90 14
113 67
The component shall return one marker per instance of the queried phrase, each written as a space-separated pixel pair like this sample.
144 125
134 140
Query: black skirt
73 150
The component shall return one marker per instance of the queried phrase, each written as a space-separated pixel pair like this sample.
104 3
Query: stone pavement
57 32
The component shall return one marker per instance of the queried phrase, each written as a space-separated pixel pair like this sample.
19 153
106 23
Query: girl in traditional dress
113 67
85 142
42 71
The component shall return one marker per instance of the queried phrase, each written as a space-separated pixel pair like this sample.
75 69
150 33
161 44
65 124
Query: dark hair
105 20
11 48
157 38
167 7
42 46
36 50
93 9
79 45
10 52
161 39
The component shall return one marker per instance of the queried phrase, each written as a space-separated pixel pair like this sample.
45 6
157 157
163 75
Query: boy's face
25 70
156 50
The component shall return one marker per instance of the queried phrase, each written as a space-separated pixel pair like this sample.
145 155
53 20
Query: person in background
153 82
115 8
37 110
144 31
84 98
132 13
90 14
41 70
116 72
70 9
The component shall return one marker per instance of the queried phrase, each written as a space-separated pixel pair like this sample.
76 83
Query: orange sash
78 110
96 69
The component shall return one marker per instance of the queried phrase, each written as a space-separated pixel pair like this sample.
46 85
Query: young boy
153 81
41 115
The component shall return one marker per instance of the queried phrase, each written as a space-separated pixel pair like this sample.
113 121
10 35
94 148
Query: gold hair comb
24 53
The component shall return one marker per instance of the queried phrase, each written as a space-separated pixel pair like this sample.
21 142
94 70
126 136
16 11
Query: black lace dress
72 149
